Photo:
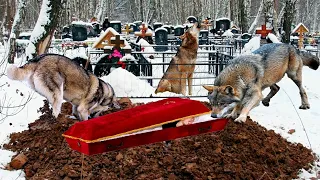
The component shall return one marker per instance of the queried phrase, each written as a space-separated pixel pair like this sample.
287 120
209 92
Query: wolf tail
19 73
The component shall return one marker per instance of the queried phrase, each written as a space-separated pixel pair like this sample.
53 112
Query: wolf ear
229 90
209 88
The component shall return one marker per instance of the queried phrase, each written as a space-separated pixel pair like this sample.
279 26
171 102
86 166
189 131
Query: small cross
117 42
127 29
143 30
205 24
264 31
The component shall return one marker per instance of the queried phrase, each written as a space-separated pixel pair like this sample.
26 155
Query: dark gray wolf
57 77
238 88
175 78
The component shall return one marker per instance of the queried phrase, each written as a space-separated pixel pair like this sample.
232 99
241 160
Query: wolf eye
222 103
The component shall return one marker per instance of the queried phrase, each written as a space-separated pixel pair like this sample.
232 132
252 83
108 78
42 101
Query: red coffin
105 133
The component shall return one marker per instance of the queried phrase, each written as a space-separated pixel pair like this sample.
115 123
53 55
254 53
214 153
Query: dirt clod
240 151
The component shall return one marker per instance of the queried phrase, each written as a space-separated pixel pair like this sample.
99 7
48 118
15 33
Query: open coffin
142 125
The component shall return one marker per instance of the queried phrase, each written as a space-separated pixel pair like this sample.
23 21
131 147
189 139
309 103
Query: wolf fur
238 88
182 65
57 77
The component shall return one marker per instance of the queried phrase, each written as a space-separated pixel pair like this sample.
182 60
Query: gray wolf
238 88
182 65
57 77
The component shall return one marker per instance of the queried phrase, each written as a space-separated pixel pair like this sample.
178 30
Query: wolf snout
198 25
214 116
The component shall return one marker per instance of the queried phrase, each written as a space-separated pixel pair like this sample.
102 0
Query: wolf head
163 86
191 36
310 60
222 100
105 98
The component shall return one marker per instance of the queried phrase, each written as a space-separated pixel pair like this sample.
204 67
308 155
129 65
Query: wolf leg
297 79
190 77
183 83
83 111
75 111
58 99
52 89
234 113
252 99
273 91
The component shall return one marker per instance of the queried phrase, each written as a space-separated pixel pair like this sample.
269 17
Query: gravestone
105 24
79 32
203 37
235 31
138 24
66 33
156 25
161 38
178 30
134 27
191 19
91 33
168 28
116 25
96 28
222 24
245 37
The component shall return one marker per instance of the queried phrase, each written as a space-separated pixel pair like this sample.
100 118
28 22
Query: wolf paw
304 106
231 116
241 119
265 102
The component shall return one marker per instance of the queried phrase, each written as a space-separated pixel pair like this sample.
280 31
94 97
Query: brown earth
240 151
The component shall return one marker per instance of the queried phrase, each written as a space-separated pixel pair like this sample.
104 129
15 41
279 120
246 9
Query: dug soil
240 151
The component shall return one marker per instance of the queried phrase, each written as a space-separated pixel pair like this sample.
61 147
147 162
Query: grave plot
246 151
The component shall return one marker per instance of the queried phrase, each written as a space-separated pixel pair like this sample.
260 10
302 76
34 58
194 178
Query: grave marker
206 24
300 29
264 31
116 25
127 29
161 38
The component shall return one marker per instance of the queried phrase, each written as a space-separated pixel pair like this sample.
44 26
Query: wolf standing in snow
182 64
57 77
238 88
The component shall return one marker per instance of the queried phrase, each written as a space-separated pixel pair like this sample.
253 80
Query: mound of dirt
240 151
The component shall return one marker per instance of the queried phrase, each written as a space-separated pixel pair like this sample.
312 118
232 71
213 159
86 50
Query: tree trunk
275 18
242 16
315 12
255 22
15 30
141 10
43 31
288 18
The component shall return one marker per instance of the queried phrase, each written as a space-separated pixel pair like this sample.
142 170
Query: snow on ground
13 93
281 116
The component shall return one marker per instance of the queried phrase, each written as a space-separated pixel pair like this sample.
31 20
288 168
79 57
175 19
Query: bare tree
288 19
43 31
255 22
15 30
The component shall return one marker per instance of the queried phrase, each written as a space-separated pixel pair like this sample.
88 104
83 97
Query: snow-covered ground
281 116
